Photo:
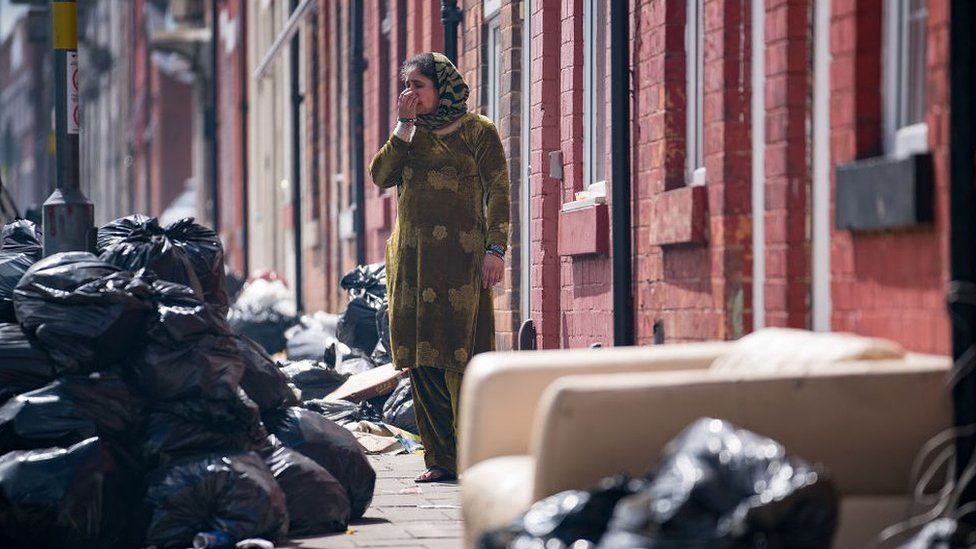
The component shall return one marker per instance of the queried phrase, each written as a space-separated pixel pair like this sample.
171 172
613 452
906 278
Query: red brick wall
546 192
694 290
171 156
230 131
888 284
788 174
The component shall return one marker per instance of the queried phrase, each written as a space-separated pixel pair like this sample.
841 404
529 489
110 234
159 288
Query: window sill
680 216
885 193
379 212
584 230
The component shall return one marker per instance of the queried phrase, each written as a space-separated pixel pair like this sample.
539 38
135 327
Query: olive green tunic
453 200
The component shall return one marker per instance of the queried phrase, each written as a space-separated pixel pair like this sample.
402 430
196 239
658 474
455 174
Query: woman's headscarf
453 95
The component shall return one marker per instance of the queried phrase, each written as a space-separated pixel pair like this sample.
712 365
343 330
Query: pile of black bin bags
716 486
323 351
133 416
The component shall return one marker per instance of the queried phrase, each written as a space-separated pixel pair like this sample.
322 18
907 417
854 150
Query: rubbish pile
343 368
715 486
133 415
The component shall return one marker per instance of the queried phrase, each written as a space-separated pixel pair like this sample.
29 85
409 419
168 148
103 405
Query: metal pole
962 230
450 16
296 166
623 302
356 68
68 216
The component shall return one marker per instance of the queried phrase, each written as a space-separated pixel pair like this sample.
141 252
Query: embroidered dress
453 200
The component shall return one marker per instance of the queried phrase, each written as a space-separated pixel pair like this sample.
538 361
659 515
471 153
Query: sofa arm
501 390
864 423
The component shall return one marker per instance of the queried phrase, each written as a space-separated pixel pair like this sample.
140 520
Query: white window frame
902 137
695 92
595 97
493 64
490 8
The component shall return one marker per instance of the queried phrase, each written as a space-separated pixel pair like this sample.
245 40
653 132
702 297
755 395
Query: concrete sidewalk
403 514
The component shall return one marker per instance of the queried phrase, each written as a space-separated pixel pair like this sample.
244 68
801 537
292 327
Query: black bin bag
87 314
21 237
563 519
183 252
399 410
314 379
189 351
23 366
317 502
719 486
69 410
76 497
234 493
184 428
331 446
263 380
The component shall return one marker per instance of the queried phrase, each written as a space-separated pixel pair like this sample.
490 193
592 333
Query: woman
448 247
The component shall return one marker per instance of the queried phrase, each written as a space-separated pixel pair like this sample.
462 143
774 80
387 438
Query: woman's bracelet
407 120
495 250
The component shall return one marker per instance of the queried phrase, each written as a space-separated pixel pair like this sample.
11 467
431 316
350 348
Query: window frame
493 67
903 137
695 92
594 97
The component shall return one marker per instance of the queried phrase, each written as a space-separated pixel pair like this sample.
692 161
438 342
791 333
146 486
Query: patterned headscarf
454 95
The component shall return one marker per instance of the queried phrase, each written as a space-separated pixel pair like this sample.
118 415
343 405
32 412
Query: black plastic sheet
331 446
69 410
399 410
23 367
314 379
85 313
79 497
263 380
345 412
719 486
317 502
233 493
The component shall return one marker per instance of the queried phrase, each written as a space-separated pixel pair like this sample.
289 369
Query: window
905 74
694 108
493 68
594 94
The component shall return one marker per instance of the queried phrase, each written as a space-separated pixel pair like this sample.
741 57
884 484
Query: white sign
74 107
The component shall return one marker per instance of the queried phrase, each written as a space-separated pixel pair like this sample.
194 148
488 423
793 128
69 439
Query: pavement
404 514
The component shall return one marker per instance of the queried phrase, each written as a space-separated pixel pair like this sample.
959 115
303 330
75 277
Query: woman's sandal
435 474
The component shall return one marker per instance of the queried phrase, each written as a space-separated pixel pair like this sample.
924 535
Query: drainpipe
245 206
450 17
212 118
356 67
623 301
296 165
962 231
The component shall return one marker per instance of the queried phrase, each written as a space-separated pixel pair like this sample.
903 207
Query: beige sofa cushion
494 492
772 350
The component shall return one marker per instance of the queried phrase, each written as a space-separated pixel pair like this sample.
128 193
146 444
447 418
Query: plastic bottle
212 540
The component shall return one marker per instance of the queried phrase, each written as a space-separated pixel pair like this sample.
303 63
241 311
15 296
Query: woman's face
426 91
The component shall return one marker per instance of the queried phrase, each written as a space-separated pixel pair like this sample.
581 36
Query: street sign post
68 216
